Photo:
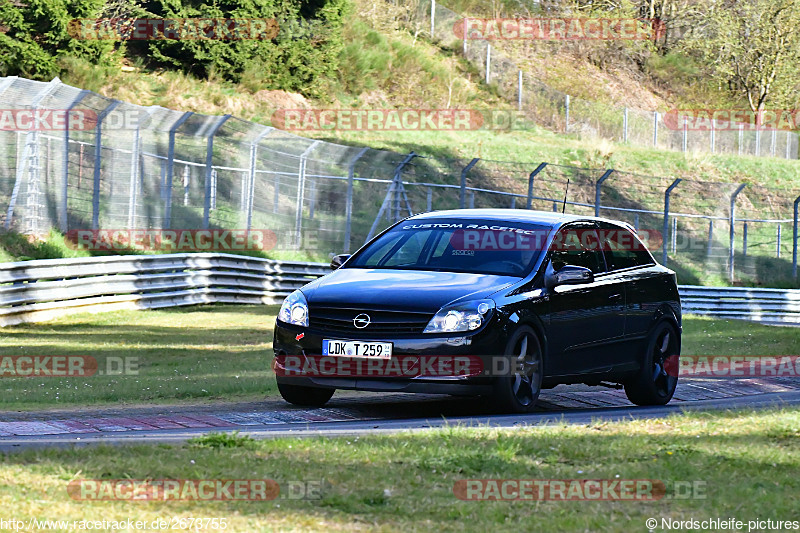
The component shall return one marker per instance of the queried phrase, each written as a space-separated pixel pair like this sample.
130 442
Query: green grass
743 465
223 353
17 247
206 353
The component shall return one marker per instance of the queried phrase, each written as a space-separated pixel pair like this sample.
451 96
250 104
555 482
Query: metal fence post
462 199
63 216
794 238
398 172
666 221
301 185
778 247
732 222
169 168
136 167
186 181
773 141
213 190
530 184
348 209
488 63
758 141
636 221
162 180
519 90
710 236
597 186
429 199
674 235
209 162
744 240
741 139
625 124
433 17
466 26
472 199
98 156
655 129
788 144
566 113
251 185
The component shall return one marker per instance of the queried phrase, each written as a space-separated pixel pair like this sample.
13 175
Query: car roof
547 218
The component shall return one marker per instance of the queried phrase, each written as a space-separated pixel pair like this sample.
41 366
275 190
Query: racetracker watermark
577 489
173 489
472 237
559 29
399 366
173 240
502 238
379 119
183 29
733 366
65 366
732 119
47 119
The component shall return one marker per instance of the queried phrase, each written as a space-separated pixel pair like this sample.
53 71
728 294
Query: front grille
340 320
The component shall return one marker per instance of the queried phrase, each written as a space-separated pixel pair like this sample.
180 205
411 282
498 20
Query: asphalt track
370 413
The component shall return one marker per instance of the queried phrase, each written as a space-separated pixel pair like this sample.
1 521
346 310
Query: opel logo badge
361 321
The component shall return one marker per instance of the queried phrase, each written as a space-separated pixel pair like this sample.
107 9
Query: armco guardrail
770 306
32 291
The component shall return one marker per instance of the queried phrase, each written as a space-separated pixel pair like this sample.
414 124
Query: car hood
407 290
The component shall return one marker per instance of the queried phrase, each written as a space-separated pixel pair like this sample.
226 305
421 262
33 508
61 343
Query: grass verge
739 464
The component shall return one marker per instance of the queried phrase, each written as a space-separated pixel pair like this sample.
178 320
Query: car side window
622 248
577 245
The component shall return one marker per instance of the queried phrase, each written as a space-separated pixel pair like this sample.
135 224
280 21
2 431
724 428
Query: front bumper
482 347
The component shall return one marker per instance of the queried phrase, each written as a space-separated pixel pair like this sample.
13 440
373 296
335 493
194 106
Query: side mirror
338 260
573 275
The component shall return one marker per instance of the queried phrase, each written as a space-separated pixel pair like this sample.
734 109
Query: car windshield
475 246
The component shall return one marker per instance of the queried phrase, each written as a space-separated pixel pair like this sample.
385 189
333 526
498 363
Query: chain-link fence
116 166
560 112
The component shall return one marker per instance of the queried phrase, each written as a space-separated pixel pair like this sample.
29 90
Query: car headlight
294 310
464 316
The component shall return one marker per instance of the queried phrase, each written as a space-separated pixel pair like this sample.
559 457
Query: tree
752 46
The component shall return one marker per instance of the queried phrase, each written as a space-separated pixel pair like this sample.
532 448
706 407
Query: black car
558 298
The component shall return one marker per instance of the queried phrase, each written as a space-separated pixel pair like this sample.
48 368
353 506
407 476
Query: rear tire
654 385
518 393
305 396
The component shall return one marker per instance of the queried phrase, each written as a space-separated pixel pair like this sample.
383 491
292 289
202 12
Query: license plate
380 350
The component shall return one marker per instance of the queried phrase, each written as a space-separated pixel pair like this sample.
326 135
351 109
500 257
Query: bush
34 35
303 57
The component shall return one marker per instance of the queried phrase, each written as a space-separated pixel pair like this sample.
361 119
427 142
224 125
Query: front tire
654 385
518 393
305 396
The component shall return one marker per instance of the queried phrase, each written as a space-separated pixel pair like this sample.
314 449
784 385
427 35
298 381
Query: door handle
615 297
